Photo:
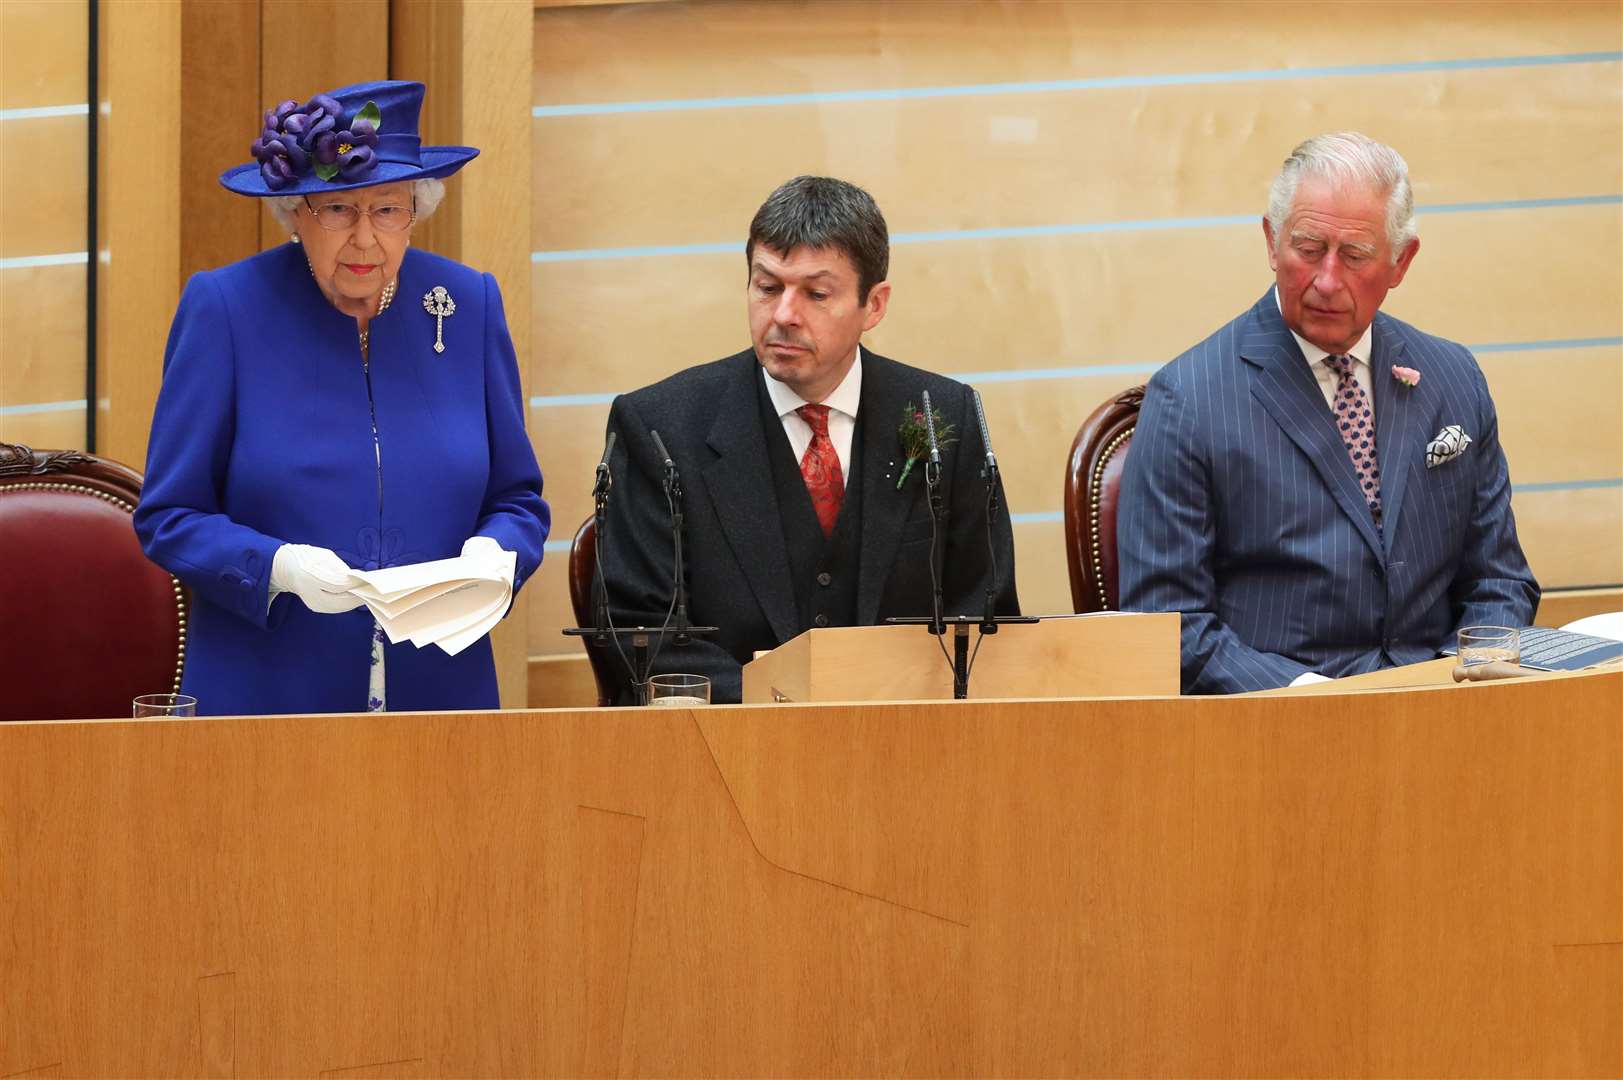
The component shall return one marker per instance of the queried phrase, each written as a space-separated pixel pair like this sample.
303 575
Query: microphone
989 467
664 454
605 479
929 427
673 495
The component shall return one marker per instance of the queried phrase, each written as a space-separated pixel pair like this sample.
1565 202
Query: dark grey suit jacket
710 420
1240 509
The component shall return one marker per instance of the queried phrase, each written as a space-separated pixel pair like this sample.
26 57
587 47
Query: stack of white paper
451 603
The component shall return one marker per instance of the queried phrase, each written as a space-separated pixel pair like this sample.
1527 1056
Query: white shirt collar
845 398
1315 355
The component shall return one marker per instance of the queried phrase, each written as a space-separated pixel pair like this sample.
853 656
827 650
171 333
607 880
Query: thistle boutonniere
1408 376
916 437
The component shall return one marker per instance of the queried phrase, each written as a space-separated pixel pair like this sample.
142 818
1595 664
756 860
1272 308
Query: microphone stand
932 487
989 473
673 495
989 619
604 633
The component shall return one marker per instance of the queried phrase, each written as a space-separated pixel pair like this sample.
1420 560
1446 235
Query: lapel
740 486
1284 386
884 509
1398 429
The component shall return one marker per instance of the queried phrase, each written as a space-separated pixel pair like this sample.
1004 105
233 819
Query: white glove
316 576
484 549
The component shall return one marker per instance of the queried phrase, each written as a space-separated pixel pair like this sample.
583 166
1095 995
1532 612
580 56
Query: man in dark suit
1318 488
792 464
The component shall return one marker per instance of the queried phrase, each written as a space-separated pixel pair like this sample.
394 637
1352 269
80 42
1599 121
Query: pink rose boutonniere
1408 376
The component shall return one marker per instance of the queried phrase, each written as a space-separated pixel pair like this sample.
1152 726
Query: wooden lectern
1105 655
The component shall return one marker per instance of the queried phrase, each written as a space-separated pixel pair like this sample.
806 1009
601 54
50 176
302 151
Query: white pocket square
1449 444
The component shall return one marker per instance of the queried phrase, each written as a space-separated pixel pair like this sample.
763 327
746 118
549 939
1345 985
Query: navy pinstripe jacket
1240 510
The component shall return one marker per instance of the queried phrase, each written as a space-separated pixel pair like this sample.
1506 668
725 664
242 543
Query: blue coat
1240 509
263 436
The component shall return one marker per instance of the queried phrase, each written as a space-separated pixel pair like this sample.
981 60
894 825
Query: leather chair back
582 566
90 621
1092 489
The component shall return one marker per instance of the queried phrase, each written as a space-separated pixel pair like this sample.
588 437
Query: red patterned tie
1357 426
820 468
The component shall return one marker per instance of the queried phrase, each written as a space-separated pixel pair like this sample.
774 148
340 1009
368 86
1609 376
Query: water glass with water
1489 644
165 705
679 691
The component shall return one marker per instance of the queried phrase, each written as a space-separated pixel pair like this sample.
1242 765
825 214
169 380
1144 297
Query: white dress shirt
1325 375
842 413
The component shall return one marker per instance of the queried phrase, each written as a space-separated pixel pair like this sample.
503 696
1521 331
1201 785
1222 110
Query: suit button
825 578
821 620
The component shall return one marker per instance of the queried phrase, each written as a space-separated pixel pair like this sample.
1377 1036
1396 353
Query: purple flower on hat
281 160
313 119
350 154
298 138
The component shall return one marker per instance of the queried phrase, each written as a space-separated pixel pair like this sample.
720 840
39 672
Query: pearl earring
296 239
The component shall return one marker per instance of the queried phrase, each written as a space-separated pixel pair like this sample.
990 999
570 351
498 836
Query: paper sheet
451 603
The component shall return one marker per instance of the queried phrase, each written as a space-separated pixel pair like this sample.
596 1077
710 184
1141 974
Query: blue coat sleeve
513 513
1166 540
179 521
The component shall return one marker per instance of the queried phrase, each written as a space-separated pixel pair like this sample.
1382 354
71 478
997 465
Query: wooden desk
1417 883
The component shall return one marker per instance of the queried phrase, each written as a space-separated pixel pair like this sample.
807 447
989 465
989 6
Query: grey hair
822 212
1346 157
426 193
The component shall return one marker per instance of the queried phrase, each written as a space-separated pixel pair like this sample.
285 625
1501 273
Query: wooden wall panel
44 51
138 219
708 48
1066 157
219 65
1525 158
42 173
42 335
59 429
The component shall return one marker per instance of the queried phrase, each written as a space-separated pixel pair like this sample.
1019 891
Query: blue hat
359 136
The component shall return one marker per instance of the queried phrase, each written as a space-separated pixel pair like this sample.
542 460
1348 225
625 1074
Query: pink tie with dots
820 468
1356 423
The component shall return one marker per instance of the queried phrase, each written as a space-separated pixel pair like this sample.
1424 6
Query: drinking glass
165 705
679 691
1489 644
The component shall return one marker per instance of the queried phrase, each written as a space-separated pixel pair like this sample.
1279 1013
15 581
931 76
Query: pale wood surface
43 52
218 227
1560 608
1439 672
562 682
1097 656
138 218
1418 883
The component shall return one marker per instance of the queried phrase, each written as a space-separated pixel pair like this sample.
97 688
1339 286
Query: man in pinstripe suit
1318 488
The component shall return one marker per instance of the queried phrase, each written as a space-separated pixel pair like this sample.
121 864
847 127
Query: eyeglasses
335 216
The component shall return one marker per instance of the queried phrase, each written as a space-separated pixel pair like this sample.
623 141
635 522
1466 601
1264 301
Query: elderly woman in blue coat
339 402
